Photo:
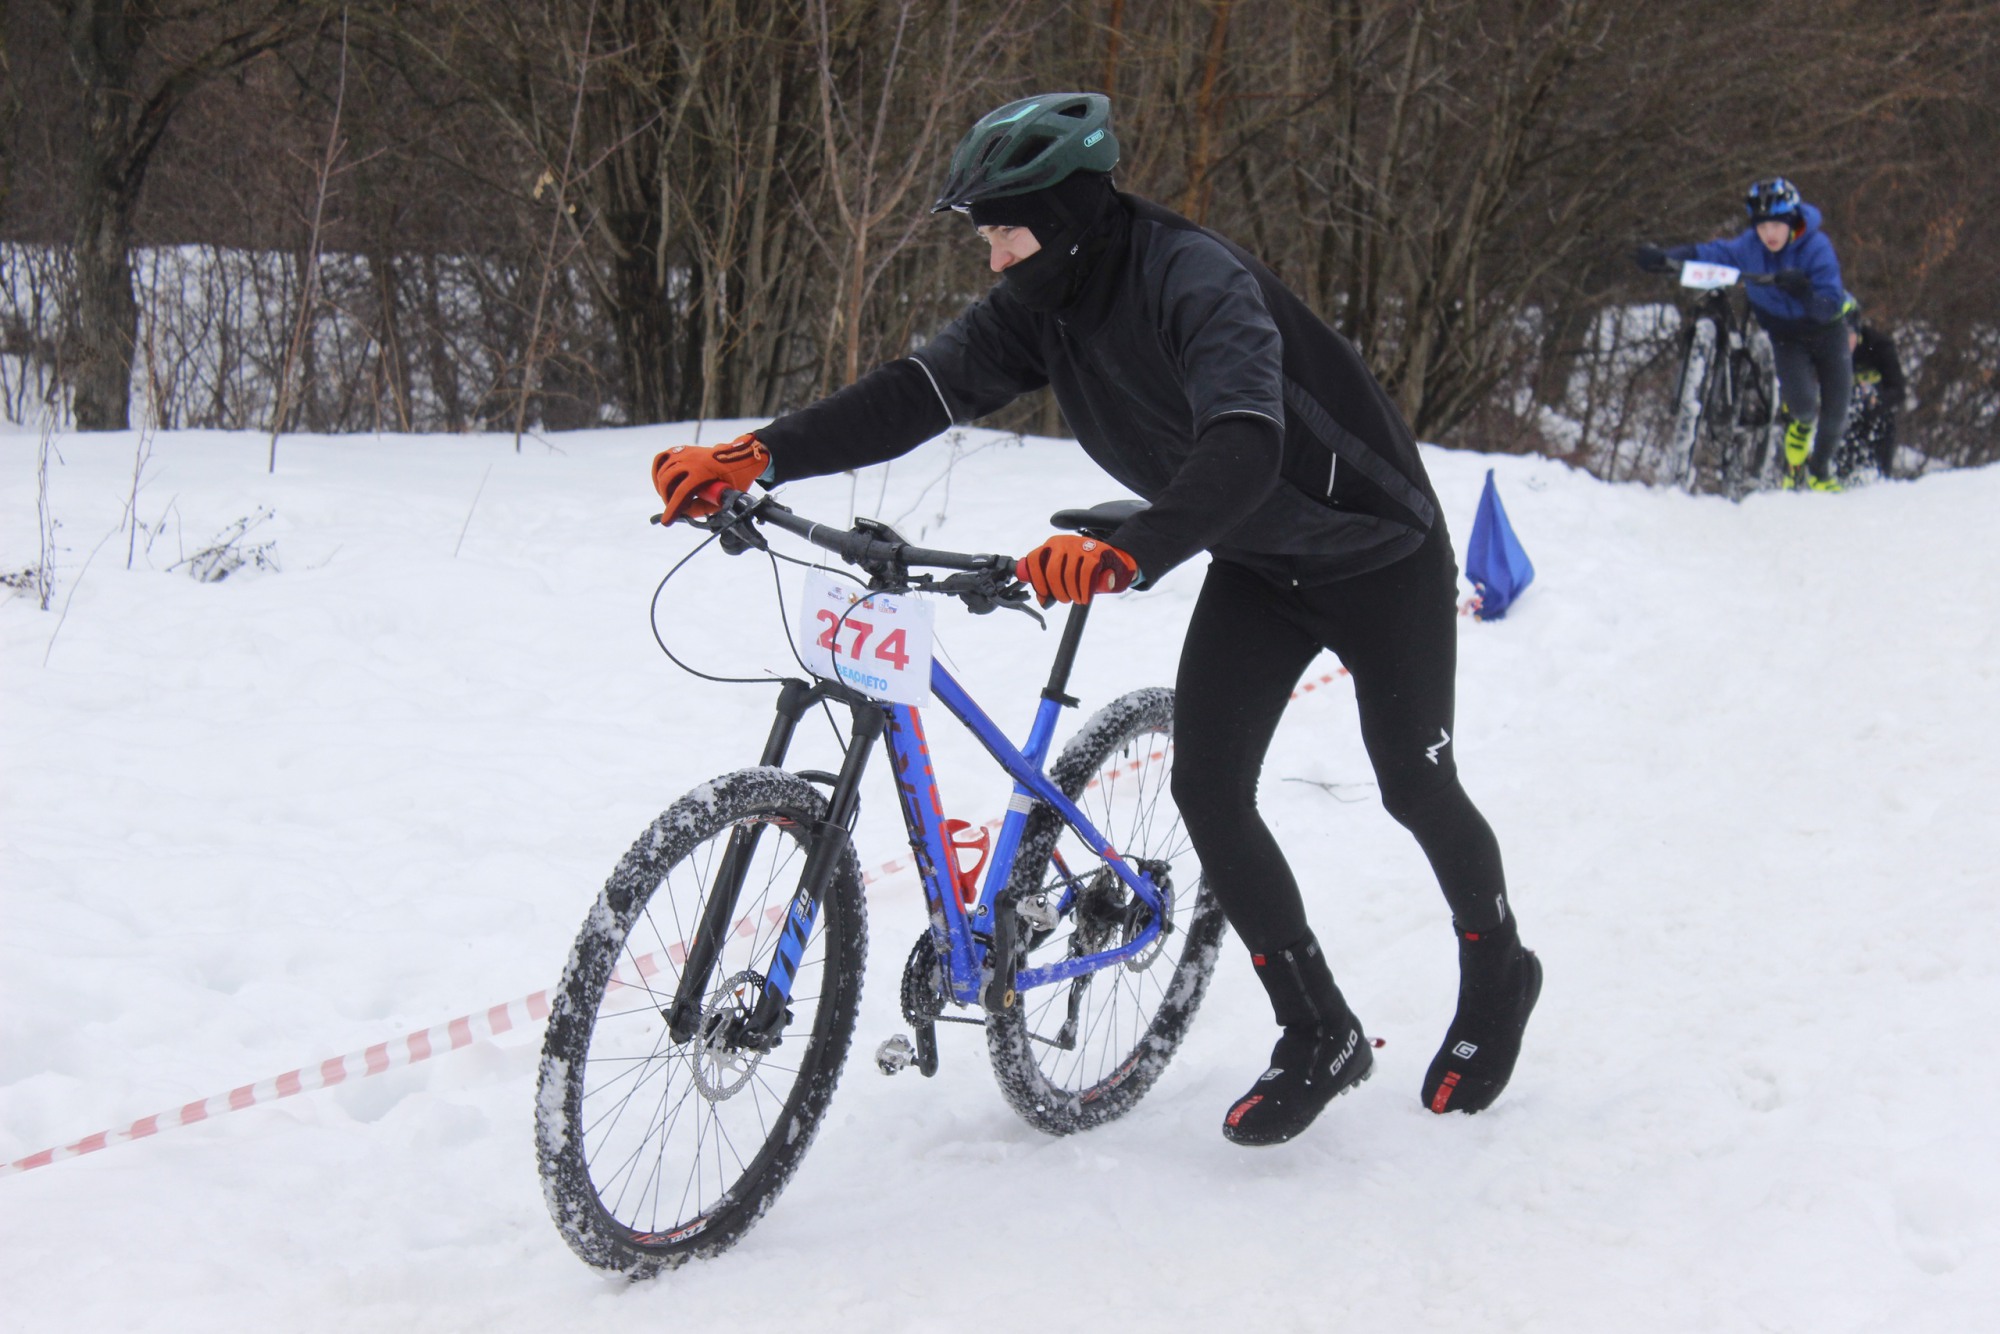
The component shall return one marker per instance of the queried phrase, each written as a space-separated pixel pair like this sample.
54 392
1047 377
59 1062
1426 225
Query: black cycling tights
1396 632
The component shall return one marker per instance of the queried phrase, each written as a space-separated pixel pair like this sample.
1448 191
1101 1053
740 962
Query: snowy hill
1741 759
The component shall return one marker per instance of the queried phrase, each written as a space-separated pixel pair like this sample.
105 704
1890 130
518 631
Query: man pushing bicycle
1194 377
1802 308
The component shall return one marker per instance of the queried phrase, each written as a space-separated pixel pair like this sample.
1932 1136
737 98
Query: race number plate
878 643
1708 277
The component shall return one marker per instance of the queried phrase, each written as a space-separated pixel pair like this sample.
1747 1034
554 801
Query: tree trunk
102 40
106 314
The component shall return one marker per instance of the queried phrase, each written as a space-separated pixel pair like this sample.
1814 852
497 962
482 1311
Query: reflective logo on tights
1431 752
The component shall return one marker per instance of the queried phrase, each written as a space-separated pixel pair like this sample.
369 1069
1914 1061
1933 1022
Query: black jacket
1876 362
1178 342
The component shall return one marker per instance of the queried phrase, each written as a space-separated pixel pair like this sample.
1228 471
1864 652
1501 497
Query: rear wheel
1761 425
1691 397
1075 1054
654 1150
1719 445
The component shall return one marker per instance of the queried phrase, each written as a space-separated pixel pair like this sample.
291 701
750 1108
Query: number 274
891 648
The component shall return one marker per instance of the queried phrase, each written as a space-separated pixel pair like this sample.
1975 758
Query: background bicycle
710 1000
1726 398
1867 450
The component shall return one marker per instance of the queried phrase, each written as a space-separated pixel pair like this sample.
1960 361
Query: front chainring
923 983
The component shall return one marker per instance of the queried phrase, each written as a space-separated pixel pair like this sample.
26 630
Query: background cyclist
1802 310
1879 390
1193 376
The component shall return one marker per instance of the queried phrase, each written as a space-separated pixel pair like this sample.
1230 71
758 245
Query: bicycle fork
829 841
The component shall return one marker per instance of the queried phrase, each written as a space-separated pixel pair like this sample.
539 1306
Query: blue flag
1494 562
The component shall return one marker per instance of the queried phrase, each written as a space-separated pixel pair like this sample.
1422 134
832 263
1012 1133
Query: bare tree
880 122
331 165
731 215
135 65
560 183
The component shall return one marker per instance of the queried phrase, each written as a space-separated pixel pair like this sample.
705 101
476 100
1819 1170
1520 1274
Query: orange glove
685 469
1068 568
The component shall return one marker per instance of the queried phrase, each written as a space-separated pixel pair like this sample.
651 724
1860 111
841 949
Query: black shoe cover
1498 985
1308 1070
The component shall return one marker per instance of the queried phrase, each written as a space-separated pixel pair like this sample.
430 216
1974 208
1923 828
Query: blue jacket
1809 250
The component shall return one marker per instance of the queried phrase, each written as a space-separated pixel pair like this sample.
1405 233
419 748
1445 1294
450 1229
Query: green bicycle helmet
1029 145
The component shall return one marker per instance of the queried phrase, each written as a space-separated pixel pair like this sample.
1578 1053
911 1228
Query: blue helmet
1774 199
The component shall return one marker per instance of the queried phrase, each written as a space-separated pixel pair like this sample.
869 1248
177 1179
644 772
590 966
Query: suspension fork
828 841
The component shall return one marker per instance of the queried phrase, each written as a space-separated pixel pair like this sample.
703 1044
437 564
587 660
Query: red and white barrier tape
408 1050
378 1058
1318 681
428 1042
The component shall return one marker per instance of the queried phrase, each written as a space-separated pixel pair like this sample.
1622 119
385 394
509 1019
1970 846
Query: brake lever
731 521
1017 598
982 591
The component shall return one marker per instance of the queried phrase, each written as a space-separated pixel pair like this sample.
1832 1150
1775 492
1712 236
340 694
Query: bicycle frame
967 936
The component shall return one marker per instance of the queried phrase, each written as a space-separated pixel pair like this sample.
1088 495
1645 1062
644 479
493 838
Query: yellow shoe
1799 442
1826 484
1794 477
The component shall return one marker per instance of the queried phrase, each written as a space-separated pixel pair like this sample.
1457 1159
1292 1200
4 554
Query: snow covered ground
1742 760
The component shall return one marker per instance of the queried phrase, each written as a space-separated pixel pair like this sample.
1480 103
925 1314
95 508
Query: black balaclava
1072 220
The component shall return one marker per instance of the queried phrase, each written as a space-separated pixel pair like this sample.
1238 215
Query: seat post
1072 635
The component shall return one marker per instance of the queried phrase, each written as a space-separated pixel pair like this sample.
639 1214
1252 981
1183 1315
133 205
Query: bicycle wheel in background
653 1151
1076 1054
1718 449
1760 414
1691 395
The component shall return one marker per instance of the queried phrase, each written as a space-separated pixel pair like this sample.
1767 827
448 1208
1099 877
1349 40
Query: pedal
895 1055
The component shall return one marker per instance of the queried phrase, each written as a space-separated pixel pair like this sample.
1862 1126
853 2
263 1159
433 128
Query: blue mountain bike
710 998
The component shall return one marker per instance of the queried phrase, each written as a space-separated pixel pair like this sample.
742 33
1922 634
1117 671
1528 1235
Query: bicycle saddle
1098 521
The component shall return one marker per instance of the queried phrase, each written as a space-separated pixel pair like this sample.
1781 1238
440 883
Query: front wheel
654 1150
1076 1054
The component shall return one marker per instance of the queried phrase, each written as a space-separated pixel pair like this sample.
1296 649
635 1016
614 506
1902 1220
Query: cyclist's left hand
1652 259
1793 283
1068 568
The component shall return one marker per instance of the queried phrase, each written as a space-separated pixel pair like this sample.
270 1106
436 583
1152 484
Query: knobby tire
1131 1016
654 1152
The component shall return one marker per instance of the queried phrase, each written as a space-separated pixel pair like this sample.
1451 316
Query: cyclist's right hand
1069 568
1652 259
679 473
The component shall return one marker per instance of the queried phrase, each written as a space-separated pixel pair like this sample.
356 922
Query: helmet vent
1030 148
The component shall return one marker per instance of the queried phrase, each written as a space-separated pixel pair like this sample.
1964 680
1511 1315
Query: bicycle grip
713 493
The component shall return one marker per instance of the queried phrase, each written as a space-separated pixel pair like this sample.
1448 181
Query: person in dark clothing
1801 308
1879 392
1194 377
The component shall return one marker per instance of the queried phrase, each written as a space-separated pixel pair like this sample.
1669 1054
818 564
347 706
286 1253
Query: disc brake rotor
1138 916
722 1065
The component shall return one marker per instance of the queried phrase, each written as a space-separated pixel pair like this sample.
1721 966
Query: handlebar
1716 271
985 581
